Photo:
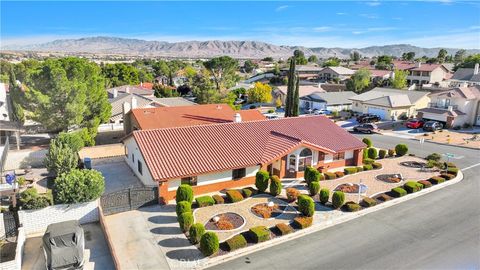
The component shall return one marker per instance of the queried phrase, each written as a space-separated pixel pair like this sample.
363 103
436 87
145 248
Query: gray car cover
63 244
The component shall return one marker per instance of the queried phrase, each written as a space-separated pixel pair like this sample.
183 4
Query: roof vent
238 118
219 107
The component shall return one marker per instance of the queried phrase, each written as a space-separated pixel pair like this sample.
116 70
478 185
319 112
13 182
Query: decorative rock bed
390 178
225 221
350 188
413 164
268 210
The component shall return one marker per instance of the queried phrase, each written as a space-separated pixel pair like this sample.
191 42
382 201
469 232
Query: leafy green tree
384 62
261 92
119 74
72 139
332 62
408 56
249 66
470 61
442 55
312 59
203 88
60 158
161 91
78 186
223 70
399 80
459 56
289 102
299 57
359 81
355 56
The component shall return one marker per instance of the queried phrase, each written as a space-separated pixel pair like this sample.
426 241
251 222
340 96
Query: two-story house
335 73
466 76
454 107
427 74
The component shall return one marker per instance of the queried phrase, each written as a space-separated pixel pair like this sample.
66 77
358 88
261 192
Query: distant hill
196 49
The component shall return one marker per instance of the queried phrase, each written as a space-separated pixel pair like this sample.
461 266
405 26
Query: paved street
439 230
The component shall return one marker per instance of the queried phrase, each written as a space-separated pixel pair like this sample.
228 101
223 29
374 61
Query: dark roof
331 98
466 74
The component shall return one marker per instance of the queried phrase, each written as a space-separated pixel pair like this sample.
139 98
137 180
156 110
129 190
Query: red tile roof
187 151
180 116
403 65
426 67
146 85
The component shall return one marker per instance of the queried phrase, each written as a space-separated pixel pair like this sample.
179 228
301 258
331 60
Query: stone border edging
329 223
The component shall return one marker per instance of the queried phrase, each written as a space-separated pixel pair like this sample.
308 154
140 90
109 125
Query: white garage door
377 111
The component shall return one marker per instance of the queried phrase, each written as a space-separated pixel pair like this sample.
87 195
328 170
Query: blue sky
347 24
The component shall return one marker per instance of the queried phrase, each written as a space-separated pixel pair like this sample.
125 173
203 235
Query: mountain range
205 49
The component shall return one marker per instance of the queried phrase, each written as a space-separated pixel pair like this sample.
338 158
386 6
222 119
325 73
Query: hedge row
234 196
398 192
352 206
259 234
283 228
203 201
302 222
412 187
236 242
218 199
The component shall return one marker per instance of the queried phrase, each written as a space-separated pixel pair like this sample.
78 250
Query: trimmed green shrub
376 165
330 175
195 232
204 201
372 153
453 171
275 186
368 161
436 180
78 186
259 234
450 164
401 149
302 222
359 169
434 156
339 174
218 199
314 188
447 176
306 205
338 198
367 141
412 187
236 242
261 180
246 192
351 170
324 195
382 153
184 193
367 167
283 228
351 207
321 176
30 199
209 244
391 152
383 197
185 220
368 202
183 207
311 174
60 158
398 192
234 196
292 194
425 183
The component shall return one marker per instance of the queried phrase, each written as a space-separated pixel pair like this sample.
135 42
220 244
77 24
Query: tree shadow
184 254
166 230
174 242
163 219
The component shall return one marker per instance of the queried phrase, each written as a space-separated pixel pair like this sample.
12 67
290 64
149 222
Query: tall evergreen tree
296 98
290 89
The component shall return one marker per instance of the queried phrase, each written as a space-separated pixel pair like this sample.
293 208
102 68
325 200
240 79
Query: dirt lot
453 138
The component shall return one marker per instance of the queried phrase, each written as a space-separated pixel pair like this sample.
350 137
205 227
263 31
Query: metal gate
128 199
10 222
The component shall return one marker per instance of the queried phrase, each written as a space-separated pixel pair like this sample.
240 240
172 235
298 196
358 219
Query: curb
324 225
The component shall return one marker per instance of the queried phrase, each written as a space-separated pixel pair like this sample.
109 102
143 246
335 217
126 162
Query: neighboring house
390 103
4 100
379 74
333 73
466 76
305 72
331 101
129 89
454 107
303 90
180 116
177 80
427 74
222 156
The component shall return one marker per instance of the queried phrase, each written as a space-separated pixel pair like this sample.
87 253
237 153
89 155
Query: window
305 159
139 167
291 162
133 158
192 180
339 156
238 173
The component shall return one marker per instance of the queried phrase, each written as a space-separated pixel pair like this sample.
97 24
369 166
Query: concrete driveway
96 255
117 173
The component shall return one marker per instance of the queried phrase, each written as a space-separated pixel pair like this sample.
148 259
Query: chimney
450 108
141 84
134 103
127 89
126 108
419 64
238 118
115 92
475 70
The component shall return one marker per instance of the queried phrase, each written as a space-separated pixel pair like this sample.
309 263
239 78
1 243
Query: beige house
427 74
332 73
390 104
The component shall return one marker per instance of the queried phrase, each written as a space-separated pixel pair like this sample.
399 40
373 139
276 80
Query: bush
195 232
365 153
368 202
184 193
283 228
372 153
302 222
218 199
30 199
384 197
398 192
78 186
314 188
401 149
203 201
261 180
368 142
234 196
275 186
391 152
246 192
236 242
183 207
376 165
412 187
367 167
351 206
359 169
292 194
259 234
450 165
311 174
185 220
434 157
321 176
453 171
330 175
306 205
209 244
447 176
338 198
60 158
382 153
368 161
73 139
351 170
425 183
324 195
436 180
339 174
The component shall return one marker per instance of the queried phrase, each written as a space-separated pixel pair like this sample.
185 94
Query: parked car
432 126
414 123
63 245
368 118
320 112
366 128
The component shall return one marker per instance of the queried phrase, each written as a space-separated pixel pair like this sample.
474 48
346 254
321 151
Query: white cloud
369 16
341 13
373 3
322 29
280 8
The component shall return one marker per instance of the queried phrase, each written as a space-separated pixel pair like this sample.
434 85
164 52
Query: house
331 101
390 103
180 116
379 74
454 107
303 90
335 73
129 89
305 72
4 100
222 156
468 76
427 74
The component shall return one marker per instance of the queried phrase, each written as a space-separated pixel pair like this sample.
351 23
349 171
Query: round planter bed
390 178
263 210
225 222
350 188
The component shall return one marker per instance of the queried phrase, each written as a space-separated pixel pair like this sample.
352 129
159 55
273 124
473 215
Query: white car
321 112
